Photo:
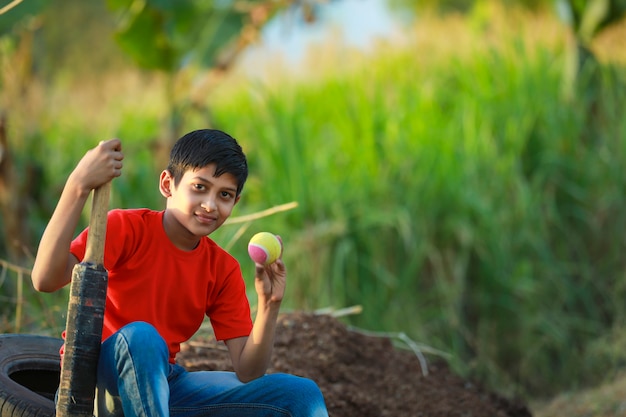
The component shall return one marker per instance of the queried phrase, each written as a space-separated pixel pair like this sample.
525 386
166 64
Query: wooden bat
85 318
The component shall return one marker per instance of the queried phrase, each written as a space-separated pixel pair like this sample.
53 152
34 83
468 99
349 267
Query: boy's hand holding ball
265 248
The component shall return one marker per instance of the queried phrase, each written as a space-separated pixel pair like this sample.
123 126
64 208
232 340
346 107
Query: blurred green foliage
460 200
589 17
17 17
164 35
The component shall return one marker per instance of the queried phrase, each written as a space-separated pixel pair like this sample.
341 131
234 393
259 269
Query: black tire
29 375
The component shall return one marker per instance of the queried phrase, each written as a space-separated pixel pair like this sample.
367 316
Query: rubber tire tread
35 362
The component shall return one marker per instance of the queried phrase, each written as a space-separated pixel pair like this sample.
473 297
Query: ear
237 199
166 183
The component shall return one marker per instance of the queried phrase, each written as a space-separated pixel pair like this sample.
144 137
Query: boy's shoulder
134 211
136 214
136 220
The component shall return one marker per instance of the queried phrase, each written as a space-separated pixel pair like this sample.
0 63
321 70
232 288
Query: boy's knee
138 329
302 386
142 337
303 395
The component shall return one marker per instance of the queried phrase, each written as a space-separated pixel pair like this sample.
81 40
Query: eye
199 187
227 195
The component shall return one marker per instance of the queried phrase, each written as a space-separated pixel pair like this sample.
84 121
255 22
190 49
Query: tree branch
10 6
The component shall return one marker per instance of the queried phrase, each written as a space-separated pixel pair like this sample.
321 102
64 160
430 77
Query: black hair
203 147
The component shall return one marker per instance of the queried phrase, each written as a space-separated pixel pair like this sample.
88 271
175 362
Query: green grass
464 201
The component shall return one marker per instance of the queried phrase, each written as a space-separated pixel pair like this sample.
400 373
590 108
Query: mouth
206 219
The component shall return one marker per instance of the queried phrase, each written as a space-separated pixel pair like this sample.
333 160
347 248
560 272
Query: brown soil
362 375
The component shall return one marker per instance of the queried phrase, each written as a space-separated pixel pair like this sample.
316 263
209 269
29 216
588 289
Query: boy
165 274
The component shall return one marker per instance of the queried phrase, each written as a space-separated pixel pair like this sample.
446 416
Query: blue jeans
135 378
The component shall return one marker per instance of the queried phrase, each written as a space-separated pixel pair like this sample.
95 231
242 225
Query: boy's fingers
259 270
112 144
117 145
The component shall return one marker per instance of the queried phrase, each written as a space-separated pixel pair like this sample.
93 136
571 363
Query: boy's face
198 205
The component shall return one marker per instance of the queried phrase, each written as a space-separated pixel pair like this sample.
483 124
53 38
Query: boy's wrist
76 189
269 305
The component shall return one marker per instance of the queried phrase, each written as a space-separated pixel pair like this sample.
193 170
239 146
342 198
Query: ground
362 375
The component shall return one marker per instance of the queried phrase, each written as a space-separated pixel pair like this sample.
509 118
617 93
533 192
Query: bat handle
98 225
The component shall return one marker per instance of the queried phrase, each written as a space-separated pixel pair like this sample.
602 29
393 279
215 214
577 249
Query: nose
209 204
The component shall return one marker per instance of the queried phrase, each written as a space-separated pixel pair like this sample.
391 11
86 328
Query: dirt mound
361 375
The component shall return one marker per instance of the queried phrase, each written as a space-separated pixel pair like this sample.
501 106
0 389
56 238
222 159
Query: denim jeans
135 378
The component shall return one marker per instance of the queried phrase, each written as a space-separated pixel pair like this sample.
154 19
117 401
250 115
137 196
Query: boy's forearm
53 264
52 269
256 355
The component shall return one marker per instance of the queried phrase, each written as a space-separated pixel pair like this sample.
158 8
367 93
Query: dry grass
610 45
607 400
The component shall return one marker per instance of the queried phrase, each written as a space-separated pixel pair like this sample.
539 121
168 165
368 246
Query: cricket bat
85 318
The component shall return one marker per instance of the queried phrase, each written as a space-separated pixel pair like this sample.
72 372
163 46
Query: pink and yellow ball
265 248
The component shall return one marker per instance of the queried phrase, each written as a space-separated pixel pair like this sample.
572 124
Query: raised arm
251 356
54 263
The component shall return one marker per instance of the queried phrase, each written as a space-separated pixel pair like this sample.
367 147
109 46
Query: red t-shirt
151 280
